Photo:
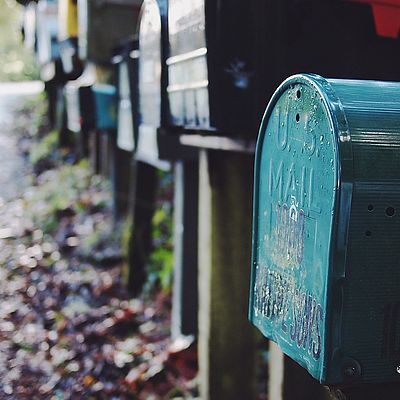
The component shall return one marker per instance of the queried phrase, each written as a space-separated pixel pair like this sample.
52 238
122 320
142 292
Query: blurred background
17 61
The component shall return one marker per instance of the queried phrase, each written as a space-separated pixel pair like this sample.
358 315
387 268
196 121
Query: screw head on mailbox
326 227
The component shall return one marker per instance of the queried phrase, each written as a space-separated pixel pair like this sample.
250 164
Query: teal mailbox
326 230
105 104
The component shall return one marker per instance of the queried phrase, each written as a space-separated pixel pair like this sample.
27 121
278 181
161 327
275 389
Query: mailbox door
326 270
296 183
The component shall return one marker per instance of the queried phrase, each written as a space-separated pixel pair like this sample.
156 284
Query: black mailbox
103 24
227 57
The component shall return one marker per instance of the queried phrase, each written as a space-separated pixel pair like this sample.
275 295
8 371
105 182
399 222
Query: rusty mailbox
326 229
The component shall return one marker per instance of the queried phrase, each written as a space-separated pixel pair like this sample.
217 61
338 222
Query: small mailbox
29 25
150 82
326 229
126 61
211 66
105 102
227 56
46 31
103 24
68 38
79 101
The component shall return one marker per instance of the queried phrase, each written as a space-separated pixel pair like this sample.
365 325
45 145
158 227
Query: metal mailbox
67 19
48 51
79 101
228 56
150 83
103 24
326 260
105 102
29 25
211 64
68 38
126 70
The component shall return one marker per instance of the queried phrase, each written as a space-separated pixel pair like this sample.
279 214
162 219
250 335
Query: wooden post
185 293
144 194
121 178
64 136
288 381
105 153
51 92
94 150
227 341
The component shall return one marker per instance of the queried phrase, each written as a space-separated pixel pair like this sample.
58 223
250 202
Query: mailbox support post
144 193
121 173
94 150
288 381
185 292
227 342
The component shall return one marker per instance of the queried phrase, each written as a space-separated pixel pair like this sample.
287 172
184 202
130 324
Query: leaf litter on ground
68 327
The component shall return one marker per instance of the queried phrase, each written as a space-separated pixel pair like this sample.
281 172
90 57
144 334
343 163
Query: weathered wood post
144 184
288 381
121 171
185 290
227 344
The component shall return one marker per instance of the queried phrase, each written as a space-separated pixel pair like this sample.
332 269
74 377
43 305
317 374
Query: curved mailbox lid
309 293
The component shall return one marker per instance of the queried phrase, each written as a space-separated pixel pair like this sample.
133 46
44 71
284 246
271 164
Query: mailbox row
208 68
211 65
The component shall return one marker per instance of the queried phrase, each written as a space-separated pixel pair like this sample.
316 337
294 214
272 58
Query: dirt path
11 163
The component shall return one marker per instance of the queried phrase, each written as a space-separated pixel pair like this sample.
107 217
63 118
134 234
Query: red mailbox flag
386 16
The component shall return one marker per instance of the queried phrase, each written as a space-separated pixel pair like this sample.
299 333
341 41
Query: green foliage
161 261
127 229
44 149
103 242
32 115
16 62
70 187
